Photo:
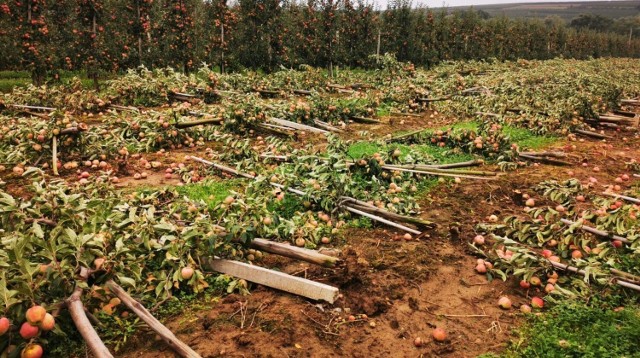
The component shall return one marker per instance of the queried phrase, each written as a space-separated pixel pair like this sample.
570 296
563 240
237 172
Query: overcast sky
440 3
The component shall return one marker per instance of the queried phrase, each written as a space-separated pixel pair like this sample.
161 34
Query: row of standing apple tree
111 35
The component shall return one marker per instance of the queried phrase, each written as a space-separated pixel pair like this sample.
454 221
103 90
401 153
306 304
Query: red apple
504 302
35 314
48 323
537 302
27 331
5 324
439 334
535 281
32 350
479 240
186 273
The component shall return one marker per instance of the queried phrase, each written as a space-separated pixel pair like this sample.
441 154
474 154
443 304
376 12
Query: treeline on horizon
46 36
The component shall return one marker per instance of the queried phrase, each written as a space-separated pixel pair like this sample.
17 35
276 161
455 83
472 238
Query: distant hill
566 10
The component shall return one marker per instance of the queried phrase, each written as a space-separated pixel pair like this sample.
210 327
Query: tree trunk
79 317
176 344
94 70
139 12
222 46
378 47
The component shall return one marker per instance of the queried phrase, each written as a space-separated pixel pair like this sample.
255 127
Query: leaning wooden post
294 252
222 45
274 279
177 345
76 309
378 48
382 220
54 149
596 231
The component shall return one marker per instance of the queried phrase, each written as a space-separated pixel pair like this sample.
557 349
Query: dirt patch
395 290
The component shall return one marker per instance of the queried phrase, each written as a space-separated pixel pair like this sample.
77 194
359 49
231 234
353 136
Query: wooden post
79 317
94 71
294 252
435 173
624 197
471 163
327 126
596 231
382 220
176 344
627 276
216 121
628 285
274 279
294 125
378 47
619 281
222 45
544 160
54 149
139 34
592 134
365 120
244 175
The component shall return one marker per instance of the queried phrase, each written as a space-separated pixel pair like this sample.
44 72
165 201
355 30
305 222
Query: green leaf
37 230
126 281
164 226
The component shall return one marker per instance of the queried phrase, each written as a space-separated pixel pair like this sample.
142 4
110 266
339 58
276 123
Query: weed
211 192
574 329
287 208
363 149
525 138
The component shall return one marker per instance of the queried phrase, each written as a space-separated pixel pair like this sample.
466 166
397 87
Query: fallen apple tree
123 248
346 204
545 157
619 279
623 197
364 206
594 231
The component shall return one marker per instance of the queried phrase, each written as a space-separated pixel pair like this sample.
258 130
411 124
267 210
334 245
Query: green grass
564 10
11 79
363 149
442 155
8 84
15 74
574 329
211 192
526 139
